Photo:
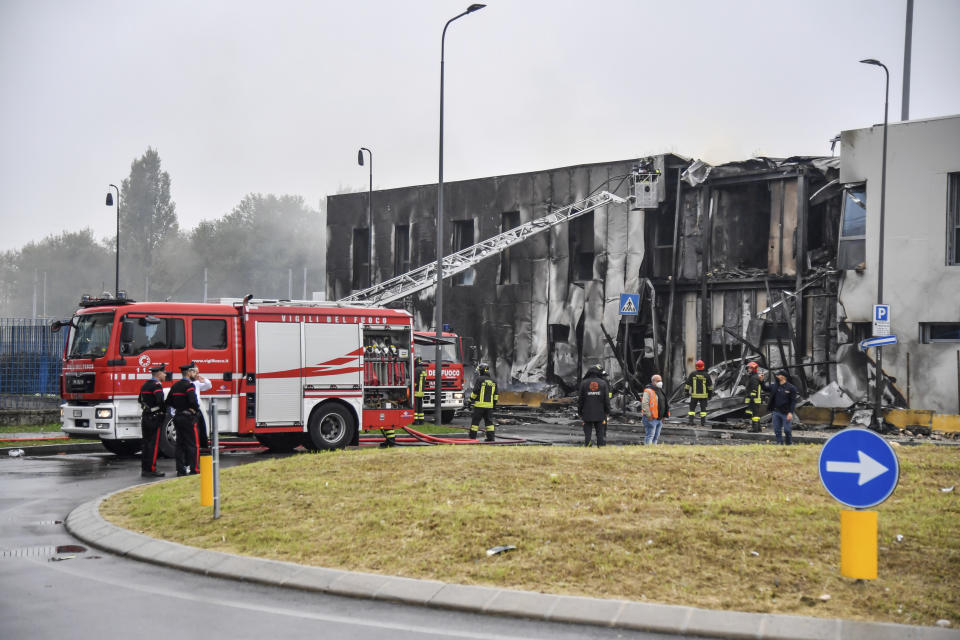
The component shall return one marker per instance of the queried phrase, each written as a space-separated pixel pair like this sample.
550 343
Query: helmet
483 369
752 366
418 360
598 370
700 365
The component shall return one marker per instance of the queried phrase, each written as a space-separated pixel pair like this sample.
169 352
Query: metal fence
31 359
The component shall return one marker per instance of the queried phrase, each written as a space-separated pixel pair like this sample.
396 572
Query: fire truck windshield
429 352
91 335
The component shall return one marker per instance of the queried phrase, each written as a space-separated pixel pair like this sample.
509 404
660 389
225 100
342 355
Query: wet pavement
50 588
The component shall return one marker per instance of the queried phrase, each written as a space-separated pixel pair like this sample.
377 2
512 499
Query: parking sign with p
881 320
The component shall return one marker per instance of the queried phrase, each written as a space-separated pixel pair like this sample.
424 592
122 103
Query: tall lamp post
369 214
437 379
116 283
878 413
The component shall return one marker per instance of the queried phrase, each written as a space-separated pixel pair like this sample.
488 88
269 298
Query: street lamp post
369 214
437 380
878 413
116 283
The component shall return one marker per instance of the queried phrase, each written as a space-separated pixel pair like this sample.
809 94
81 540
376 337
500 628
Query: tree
148 220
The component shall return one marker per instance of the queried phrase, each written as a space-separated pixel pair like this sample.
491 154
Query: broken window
509 273
939 332
953 219
851 254
581 248
401 249
361 258
663 243
463 238
559 332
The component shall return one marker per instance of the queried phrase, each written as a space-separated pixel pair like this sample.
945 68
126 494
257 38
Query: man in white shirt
201 384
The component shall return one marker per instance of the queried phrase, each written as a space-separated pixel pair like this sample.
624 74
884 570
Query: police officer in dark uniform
593 405
484 398
754 397
700 387
419 382
183 400
151 421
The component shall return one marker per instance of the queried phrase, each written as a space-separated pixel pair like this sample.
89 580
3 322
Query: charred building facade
731 262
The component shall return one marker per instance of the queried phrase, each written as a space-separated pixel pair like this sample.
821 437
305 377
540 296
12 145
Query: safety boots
490 437
389 442
473 434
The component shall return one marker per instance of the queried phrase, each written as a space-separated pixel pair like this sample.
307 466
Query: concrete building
921 271
718 263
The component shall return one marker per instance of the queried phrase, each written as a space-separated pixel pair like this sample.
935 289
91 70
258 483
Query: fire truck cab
286 372
452 396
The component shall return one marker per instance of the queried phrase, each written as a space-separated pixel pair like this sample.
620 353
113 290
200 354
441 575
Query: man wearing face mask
655 409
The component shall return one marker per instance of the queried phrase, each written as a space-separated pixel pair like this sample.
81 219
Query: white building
921 257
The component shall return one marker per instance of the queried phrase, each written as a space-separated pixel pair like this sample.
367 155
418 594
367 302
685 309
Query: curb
86 523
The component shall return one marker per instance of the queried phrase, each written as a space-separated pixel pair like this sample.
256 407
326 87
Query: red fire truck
285 372
452 388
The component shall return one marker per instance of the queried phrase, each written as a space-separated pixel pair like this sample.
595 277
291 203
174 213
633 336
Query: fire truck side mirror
126 331
56 326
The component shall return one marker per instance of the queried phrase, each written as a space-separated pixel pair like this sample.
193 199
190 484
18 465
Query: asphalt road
48 590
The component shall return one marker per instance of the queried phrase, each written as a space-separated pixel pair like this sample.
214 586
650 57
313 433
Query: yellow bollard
858 544
206 481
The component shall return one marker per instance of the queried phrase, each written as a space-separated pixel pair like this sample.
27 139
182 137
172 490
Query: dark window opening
463 238
663 243
401 249
953 219
361 258
208 334
851 254
931 332
559 332
581 248
509 272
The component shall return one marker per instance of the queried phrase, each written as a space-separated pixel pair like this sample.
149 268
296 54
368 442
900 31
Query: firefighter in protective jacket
700 387
183 400
754 397
419 382
484 398
593 405
151 421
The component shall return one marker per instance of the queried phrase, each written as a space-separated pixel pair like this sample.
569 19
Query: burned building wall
535 312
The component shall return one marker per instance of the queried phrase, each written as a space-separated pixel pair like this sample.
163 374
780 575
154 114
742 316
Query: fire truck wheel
123 448
280 442
168 439
331 427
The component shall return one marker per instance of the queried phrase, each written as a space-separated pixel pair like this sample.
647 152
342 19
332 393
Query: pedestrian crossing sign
629 303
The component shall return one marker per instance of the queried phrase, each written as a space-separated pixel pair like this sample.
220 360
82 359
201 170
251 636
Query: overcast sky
246 96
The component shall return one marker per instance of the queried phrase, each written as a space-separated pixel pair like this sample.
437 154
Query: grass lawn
30 443
748 528
30 428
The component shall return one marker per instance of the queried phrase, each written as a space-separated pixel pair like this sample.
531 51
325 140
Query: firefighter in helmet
151 421
483 398
419 382
700 387
753 398
593 405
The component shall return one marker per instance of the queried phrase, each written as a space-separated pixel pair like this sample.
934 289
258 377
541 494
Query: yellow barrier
949 422
858 544
206 481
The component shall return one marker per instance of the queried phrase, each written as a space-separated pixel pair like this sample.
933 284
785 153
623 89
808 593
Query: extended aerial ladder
425 276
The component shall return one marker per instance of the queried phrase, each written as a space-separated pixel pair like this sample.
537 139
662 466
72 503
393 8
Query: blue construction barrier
31 360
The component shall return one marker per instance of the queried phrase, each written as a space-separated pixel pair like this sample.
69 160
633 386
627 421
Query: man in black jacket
783 402
151 421
593 405
183 400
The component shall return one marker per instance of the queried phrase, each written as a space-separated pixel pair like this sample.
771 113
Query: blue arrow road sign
859 468
877 342
629 304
